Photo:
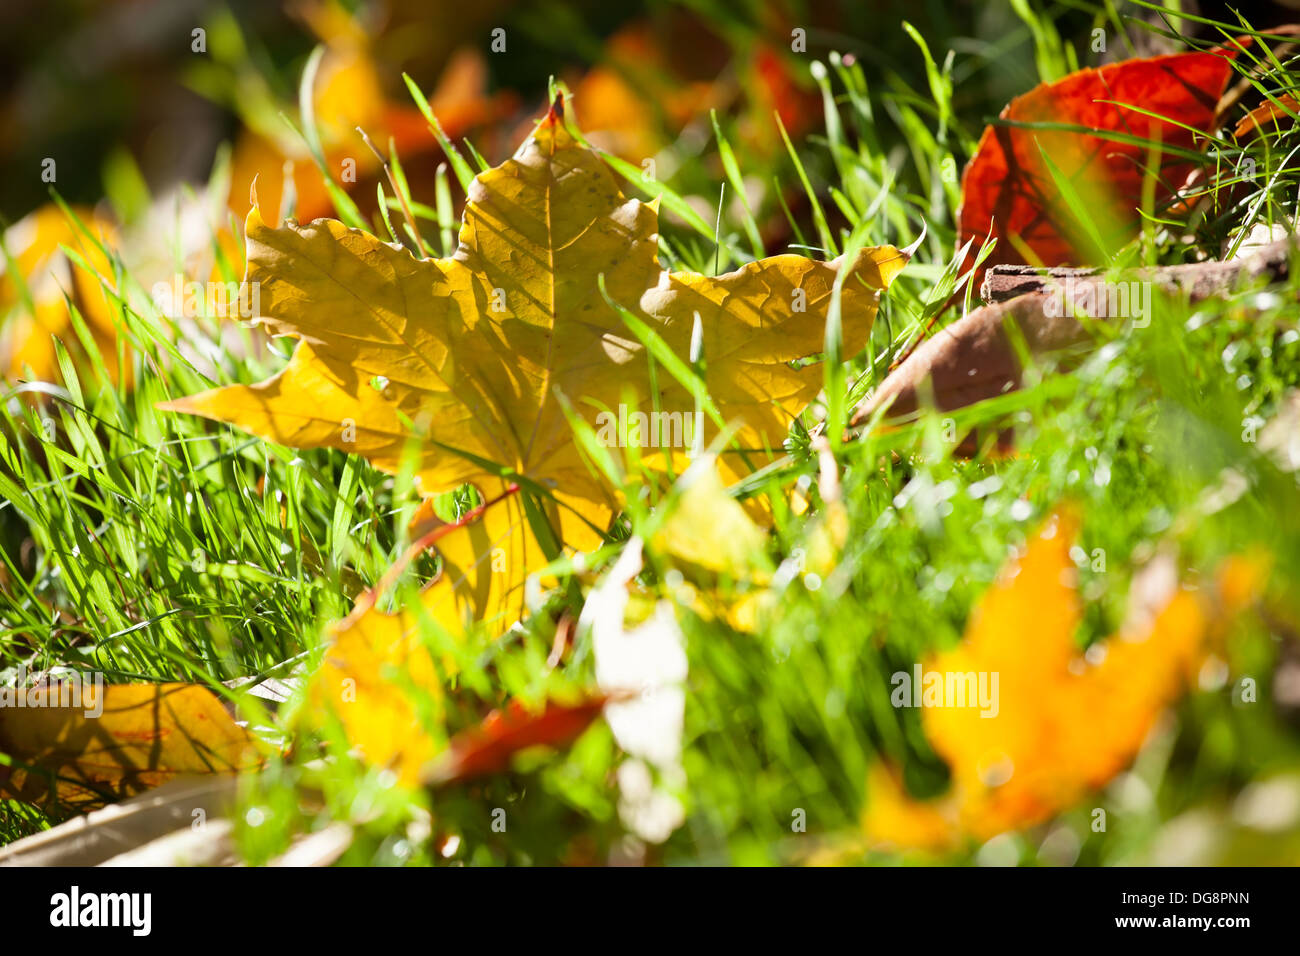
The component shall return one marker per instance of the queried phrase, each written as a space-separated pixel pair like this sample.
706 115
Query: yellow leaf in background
472 349
623 99
1063 723
349 93
145 735
647 89
26 345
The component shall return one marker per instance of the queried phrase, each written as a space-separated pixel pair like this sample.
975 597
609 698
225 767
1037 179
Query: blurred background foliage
106 85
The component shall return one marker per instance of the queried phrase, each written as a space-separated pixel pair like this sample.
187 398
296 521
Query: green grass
151 546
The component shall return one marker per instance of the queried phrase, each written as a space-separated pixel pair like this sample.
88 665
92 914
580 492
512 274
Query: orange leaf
489 747
1265 113
1062 723
349 94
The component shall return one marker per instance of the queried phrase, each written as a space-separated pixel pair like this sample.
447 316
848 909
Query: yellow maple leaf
468 353
1063 723
93 744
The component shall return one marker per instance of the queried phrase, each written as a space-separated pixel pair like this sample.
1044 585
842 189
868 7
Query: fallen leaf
489 747
1267 112
348 94
893 820
145 735
1009 193
639 97
377 667
972 359
1063 722
708 534
643 669
628 98
465 355
320 848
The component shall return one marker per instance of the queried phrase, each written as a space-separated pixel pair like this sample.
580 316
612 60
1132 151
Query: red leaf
489 747
1007 190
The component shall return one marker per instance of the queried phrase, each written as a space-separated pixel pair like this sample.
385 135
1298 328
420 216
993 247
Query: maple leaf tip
170 405
910 250
254 217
